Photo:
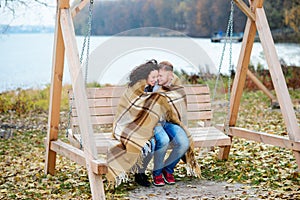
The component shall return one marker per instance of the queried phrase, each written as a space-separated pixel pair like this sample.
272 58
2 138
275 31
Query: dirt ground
197 189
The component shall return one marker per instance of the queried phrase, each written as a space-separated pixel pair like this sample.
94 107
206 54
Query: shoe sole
158 185
170 183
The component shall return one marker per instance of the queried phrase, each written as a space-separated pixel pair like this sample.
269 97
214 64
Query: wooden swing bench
102 101
102 106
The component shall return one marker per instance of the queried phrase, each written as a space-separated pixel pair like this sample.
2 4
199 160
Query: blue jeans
165 134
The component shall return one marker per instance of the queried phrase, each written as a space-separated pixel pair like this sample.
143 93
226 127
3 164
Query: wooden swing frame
65 43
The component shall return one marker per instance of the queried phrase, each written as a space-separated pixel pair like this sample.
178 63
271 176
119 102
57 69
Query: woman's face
152 77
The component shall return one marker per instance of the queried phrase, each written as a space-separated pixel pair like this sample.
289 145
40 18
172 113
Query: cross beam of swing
258 22
65 43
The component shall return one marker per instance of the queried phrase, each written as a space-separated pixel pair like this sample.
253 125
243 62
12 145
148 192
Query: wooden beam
259 4
98 166
63 4
55 96
260 85
266 138
241 72
79 7
81 103
243 7
240 78
277 76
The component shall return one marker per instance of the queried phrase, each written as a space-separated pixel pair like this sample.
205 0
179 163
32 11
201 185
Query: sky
32 14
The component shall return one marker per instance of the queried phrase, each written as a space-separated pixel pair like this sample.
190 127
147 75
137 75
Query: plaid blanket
137 114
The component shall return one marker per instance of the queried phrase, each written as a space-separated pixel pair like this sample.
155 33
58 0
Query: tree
12 10
10 6
292 15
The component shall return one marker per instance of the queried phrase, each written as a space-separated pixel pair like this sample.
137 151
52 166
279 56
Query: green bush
25 101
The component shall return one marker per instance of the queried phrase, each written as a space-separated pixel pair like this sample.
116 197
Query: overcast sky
32 14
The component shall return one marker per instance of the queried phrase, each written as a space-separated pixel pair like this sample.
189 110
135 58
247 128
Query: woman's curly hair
142 72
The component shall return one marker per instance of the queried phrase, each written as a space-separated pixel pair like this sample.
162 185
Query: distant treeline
196 18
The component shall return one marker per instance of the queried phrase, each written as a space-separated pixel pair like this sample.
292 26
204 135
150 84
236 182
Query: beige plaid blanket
137 114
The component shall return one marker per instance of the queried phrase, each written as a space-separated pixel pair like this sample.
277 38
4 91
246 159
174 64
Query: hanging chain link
229 33
230 23
223 50
86 40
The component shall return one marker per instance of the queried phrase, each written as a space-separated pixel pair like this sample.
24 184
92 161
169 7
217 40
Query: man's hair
165 65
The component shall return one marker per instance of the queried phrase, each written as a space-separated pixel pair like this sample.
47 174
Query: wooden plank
209 137
260 85
198 98
76 75
203 137
111 110
55 96
79 7
76 155
117 91
100 102
241 71
277 76
198 107
96 120
115 101
64 4
266 138
77 79
220 140
108 119
212 143
98 111
259 3
196 89
243 7
240 78
210 129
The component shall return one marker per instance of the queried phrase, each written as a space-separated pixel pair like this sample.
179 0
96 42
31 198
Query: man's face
164 77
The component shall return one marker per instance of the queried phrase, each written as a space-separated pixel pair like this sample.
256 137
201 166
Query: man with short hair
165 133
165 73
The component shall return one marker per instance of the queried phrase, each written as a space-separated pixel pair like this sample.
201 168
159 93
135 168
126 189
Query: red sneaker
169 178
158 180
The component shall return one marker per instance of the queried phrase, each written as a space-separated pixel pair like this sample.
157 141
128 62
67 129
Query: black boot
142 179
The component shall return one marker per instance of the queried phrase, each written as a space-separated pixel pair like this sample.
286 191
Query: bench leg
224 151
97 186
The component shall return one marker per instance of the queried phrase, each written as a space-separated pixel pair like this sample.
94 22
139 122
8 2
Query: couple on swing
150 117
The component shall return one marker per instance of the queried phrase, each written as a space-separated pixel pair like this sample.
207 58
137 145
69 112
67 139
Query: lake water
26 59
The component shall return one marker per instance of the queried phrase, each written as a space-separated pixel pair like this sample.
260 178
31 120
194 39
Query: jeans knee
186 145
162 141
183 145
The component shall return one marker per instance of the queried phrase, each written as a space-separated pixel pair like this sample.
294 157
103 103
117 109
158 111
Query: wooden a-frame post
257 21
65 43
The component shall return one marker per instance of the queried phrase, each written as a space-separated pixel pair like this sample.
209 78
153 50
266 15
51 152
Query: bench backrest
103 103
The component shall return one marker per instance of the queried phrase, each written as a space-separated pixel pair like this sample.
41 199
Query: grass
22 157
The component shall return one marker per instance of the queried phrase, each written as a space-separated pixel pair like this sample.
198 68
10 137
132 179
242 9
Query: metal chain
229 32
223 51
86 39
230 23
